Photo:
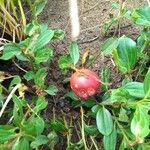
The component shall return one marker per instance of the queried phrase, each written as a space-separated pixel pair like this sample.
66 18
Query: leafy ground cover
38 109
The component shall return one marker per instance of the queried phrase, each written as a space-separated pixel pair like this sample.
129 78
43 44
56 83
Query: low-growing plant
121 113
26 125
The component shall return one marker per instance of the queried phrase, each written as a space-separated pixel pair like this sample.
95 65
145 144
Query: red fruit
85 83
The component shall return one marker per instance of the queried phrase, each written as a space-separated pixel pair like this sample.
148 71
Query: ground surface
93 14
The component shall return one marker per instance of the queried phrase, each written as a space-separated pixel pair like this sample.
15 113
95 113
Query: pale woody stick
75 26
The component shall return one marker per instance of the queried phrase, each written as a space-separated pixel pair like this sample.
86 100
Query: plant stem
19 66
82 128
96 147
9 98
120 127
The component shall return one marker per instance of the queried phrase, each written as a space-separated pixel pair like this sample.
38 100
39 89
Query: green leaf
43 39
41 103
72 95
58 34
10 50
38 6
43 55
141 16
39 77
22 144
89 103
22 57
18 110
7 133
16 80
29 75
51 90
123 116
143 40
109 45
127 54
34 126
74 52
140 122
90 129
64 62
95 109
147 84
104 121
135 89
110 140
31 28
117 62
39 140
119 95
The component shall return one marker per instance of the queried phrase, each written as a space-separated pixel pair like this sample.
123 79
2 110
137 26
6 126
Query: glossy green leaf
43 39
41 103
109 45
95 109
126 54
110 140
39 140
22 144
104 121
74 52
117 62
29 75
141 16
64 62
51 90
140 122
7 133
135 89
10 50
147 84
119 95
43 55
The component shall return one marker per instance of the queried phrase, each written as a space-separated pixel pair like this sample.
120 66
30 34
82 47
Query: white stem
74 19
9 98
148 3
